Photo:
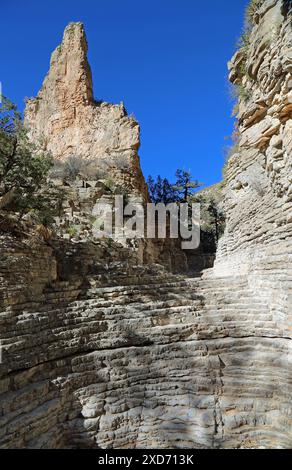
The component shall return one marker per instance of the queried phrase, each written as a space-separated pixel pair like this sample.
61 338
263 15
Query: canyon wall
258 191
101 351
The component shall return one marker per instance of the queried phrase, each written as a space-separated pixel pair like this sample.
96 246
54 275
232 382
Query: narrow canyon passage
116 345
142 358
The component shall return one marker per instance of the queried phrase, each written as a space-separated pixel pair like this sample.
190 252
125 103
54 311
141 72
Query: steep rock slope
258 194
99 351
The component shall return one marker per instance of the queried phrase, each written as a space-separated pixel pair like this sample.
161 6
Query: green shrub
45 218
24 167
250 11
72 231
73 167
110 184
245 38
240 92
235 110
46 205
212 214
76 166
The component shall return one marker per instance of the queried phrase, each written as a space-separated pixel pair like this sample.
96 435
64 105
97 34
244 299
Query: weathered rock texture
101 352
258 195
70 122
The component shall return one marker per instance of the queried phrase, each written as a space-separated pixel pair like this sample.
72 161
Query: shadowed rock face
65 116
101 352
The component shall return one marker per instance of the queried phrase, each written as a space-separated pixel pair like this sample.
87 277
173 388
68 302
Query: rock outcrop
71 123
101 351
258 193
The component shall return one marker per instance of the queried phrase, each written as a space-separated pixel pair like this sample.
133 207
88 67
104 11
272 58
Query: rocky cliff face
70 122
99 351
258 194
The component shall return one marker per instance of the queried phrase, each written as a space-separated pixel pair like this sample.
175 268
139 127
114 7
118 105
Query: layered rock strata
258 193
101 351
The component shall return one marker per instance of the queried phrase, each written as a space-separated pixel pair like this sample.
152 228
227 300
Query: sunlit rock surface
70 122
101 351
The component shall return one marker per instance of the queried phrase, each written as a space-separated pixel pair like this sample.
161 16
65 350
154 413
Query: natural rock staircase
143 358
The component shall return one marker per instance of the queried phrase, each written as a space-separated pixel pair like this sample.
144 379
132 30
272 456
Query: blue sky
166 59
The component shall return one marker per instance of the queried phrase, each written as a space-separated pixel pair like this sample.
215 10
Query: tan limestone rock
70 122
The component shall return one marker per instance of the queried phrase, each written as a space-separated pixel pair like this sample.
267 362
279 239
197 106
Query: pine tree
185 185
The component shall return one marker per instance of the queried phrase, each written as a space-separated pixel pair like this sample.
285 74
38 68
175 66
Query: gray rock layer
99 351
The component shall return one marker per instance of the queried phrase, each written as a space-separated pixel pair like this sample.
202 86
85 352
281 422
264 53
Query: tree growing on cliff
212 213
216 217
185 186
23 167
161 190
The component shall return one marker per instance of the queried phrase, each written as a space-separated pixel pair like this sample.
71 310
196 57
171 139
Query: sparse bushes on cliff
23 166
241 92
77 167
72 231
245 40
48 204
24 169
251 10
73 167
